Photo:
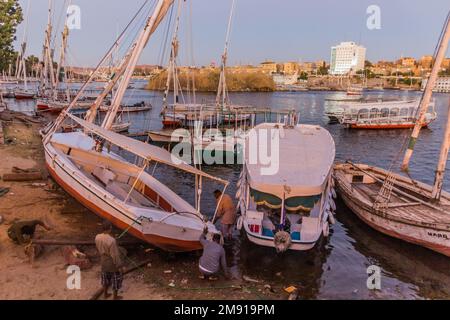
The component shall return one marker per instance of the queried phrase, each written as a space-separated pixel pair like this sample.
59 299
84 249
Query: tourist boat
385 115
125 192
336 108
397 205
291 207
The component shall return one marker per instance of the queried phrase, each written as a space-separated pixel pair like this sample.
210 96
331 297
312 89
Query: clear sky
280 30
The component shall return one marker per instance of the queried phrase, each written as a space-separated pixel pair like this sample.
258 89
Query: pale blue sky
281 30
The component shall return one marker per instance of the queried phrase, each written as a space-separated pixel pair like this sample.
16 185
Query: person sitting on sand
111 261
21 232
213 257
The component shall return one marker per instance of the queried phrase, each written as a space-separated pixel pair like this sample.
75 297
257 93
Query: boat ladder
384 195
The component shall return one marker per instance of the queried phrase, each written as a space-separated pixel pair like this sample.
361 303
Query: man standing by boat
111 261
226 211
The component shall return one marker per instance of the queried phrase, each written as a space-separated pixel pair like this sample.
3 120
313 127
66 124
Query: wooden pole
427 94
50 242
440 170
99 292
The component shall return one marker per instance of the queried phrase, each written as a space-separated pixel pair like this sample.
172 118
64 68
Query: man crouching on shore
111 261
213 257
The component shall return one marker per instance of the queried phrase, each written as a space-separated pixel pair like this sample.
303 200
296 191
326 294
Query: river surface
337 266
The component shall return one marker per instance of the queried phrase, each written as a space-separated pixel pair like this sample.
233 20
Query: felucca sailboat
397 205
111 186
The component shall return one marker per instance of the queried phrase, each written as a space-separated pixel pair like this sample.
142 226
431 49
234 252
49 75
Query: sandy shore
167 276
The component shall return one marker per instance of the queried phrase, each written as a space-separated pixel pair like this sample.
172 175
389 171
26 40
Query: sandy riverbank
168 276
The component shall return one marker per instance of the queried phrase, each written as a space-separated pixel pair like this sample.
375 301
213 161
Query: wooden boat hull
24 96
425 235
171 123
106 210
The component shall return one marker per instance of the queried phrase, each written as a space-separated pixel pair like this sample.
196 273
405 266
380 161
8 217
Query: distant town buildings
347 57
426 62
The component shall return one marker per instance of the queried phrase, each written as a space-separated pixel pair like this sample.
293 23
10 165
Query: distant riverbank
207 80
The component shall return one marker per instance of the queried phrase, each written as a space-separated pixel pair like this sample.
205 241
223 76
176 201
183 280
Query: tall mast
61 63
47 69
426 98
222 89
20 65
160 11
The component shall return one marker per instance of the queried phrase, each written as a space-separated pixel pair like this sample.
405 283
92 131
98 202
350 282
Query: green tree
10 16
303 76
31 62
323 70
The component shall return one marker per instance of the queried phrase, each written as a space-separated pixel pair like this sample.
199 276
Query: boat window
272 204
412 112
302 204
363 113
404 112
374 112
394 112
385 112
265 199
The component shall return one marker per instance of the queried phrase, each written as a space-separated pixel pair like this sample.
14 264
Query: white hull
170 231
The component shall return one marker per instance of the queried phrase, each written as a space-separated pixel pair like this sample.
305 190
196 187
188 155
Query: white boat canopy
306 156
143 150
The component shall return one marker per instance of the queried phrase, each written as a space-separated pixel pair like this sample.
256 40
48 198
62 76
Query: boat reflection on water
426 273
302 269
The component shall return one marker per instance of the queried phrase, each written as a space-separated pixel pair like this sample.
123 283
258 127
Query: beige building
407 62
290 67
446 63
426 62
307 67
269 67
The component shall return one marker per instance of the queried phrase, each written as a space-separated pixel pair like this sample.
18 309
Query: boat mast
443 156
21 69
172 68
222 89
152 23
46 54
62 57
426 98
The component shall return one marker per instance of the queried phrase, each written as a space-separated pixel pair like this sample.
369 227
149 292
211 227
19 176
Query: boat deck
405 208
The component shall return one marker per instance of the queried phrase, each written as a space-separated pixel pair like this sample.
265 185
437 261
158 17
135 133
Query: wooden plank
31 176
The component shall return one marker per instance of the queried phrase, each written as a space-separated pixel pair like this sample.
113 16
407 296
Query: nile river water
337 266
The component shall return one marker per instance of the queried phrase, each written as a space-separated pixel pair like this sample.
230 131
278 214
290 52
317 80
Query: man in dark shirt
22 231
213 257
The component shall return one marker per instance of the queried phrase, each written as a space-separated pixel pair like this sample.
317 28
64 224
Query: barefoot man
111 261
